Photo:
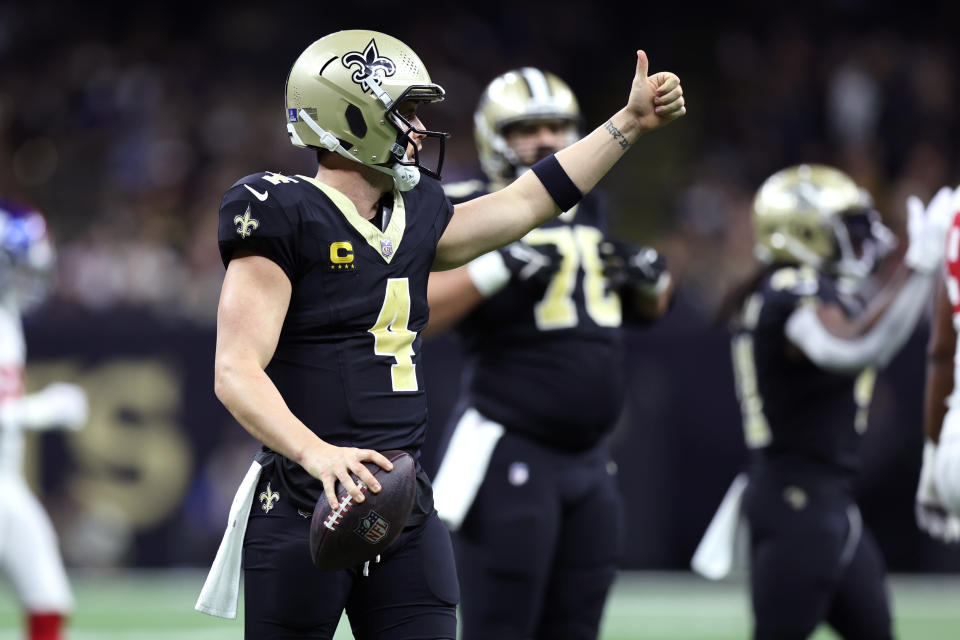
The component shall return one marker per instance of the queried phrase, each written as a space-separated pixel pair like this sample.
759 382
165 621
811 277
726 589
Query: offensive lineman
319 320
28 544
805 353
527 480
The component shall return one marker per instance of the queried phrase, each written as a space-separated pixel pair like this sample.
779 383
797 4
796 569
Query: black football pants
813 561
538 550
411 594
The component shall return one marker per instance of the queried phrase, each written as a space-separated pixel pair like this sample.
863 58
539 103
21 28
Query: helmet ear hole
355 121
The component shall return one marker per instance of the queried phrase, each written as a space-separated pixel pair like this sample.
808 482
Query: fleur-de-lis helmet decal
349 93
369 64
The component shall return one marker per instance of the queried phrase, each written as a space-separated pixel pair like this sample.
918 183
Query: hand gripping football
357 532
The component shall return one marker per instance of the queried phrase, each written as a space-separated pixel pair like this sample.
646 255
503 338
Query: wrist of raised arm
624 128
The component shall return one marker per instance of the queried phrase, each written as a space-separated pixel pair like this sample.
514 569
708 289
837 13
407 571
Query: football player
938 491
28 544
805 354
318 331
527 480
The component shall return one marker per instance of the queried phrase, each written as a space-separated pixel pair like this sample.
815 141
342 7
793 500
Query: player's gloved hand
626 264
66 403
931 515
59 405
531 265
927 229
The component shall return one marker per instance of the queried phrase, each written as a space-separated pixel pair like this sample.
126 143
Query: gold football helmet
522 95
817 215
344 94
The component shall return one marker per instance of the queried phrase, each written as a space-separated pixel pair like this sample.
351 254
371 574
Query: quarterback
318 331
28 544
527 482
805 350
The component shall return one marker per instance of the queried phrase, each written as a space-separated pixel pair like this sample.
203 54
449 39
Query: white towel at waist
723 544
222 587
464 466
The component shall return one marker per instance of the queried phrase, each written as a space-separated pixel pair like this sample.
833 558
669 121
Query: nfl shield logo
386 247
372 527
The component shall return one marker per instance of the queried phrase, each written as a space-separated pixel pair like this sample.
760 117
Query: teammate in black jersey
527 481
805 355
318 327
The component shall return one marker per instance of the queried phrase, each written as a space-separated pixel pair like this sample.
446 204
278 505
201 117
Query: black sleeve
443 219
434 198
260 227
784 291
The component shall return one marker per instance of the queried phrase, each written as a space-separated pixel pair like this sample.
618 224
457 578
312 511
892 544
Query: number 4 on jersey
391 336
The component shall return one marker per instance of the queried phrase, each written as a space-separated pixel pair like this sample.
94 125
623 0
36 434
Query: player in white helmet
29 554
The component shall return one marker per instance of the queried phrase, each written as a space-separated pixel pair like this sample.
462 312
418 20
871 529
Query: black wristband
557 183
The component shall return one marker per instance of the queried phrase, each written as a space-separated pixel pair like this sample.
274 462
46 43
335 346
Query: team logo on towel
372 527
267 498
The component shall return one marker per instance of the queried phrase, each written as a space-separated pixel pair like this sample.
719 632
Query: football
357 532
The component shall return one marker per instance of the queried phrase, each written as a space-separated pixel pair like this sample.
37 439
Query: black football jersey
795 414
549 364
347 358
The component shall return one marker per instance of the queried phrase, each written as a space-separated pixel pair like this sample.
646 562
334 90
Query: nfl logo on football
372 528
386 247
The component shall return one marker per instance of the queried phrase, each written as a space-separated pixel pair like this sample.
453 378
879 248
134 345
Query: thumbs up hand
654 100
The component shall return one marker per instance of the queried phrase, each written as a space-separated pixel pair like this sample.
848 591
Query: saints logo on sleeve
246 224
256 217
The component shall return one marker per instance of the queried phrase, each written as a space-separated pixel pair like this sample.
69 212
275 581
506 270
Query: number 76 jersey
549 364
347 358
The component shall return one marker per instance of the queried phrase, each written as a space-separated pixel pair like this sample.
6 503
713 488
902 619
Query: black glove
531 265
626 264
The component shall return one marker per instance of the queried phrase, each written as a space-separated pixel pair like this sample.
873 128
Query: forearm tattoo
619 137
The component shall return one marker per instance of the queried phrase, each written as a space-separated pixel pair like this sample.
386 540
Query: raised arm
253 303
496 219
835 342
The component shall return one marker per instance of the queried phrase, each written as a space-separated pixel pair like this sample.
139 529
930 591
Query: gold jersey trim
385 243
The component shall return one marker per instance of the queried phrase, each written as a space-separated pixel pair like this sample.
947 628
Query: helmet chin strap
405 177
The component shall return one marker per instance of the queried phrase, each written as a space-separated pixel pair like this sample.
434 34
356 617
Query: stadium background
125 123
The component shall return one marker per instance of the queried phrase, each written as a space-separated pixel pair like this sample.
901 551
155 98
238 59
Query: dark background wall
149 481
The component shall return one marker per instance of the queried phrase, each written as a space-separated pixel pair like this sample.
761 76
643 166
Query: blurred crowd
125 125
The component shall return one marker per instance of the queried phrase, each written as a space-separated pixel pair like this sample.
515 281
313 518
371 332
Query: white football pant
29 554
947 475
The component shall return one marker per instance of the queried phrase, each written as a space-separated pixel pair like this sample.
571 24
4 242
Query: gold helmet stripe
536 83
